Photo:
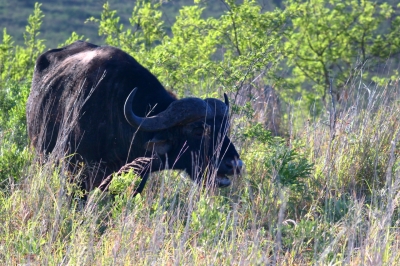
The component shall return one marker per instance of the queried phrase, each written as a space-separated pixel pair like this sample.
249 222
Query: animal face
202 148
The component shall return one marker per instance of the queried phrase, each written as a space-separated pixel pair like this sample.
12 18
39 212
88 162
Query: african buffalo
100 105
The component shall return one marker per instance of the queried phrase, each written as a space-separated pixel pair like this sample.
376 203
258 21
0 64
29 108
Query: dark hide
76 106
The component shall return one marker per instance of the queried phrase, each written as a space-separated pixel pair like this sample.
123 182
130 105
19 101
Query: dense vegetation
316 116
62 17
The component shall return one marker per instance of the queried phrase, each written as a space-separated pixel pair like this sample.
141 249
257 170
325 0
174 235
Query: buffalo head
192 135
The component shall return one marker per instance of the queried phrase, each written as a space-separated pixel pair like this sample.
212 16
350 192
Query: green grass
346 211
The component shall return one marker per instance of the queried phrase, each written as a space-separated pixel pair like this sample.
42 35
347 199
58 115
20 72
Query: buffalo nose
235 165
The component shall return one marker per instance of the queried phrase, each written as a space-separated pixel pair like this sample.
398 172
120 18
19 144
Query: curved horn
226 102
178 112
219 108
132 119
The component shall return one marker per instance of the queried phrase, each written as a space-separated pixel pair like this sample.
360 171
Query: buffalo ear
159 144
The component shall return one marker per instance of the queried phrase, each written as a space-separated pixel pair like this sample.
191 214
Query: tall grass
345 211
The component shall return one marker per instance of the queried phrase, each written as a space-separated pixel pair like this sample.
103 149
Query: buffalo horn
178 113
226 102
218 107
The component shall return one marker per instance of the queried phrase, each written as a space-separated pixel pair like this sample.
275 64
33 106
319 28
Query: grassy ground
344 212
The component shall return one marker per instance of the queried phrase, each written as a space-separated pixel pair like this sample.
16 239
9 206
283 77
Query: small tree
332 40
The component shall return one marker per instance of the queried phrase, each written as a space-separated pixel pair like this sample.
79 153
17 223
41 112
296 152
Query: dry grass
347 211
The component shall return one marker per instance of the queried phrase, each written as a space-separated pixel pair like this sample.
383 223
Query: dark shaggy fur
76 105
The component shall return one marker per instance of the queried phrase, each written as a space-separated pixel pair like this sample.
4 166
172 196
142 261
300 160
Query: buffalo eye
201 131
